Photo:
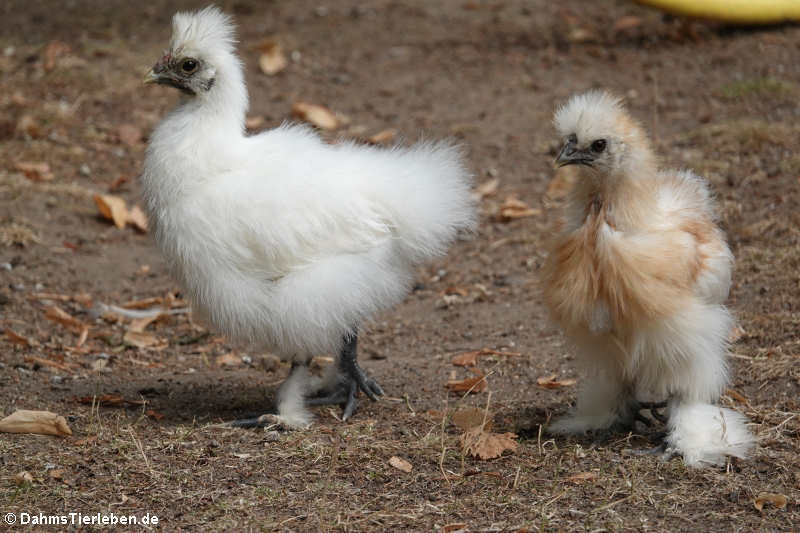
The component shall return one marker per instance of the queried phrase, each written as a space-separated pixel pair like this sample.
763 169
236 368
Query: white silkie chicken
279 239
637 277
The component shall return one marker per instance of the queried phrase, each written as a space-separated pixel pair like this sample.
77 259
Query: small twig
444 447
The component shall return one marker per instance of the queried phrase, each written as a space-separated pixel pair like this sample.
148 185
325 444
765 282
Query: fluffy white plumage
637 277
279 239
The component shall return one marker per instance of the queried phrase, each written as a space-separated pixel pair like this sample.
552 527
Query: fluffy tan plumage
637 277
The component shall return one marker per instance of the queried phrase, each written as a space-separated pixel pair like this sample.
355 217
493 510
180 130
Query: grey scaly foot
352 379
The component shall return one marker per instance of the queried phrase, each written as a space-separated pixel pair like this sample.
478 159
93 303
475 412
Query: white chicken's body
283 241
637 277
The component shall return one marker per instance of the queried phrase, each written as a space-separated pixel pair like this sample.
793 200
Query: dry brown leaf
272 59
155 415
140 339
138 325
109 400
550 382
383 137
400 464
39 422
467 358
736 333
67 367
471 358
112 208
580 477
486 445
56 474
22 478
736 396
229 359
52 52
143 303
513 208
254 122
627 22
318 115
16 338
473 385
562 183
487 188
455 527
58 315
30 126
129 134
34 170
471 417
778 500
137 219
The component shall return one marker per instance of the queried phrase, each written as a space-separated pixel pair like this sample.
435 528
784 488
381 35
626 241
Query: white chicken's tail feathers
705 434
429 196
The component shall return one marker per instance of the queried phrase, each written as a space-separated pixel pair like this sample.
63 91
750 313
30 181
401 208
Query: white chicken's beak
150 77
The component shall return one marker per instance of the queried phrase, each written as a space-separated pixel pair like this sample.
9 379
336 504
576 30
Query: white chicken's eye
189 65
599 145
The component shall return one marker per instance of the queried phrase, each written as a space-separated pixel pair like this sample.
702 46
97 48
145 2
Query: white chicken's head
598 133
202 42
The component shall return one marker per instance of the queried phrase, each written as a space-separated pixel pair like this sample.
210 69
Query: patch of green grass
757 87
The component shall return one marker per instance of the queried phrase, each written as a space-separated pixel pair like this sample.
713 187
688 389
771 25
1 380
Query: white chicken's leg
291 411
347 379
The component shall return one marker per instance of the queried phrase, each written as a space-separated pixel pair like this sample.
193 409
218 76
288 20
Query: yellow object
734 11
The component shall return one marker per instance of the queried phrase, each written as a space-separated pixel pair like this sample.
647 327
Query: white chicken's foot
350 379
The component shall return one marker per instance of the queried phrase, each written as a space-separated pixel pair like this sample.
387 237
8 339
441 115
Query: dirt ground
722 101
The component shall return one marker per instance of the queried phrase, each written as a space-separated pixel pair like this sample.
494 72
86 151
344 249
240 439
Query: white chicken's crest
207 30
591 115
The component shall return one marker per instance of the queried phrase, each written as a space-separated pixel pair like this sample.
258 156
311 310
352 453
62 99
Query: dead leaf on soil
778 500
471 358
736 396
272 59
38 422
627 22
486 445
35 170
140 339
254 122
58 315
487 188
112 208
30 126
154 414
22 478
52 52
580 477
16 338
513 208
57 474
400 464
472 417
476 384
66 367
109 400
129 134
736 333
229 359
318 115
550 382
383 137
562 183
454 527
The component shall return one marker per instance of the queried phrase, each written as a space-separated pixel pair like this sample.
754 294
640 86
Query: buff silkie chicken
637 277
280 240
